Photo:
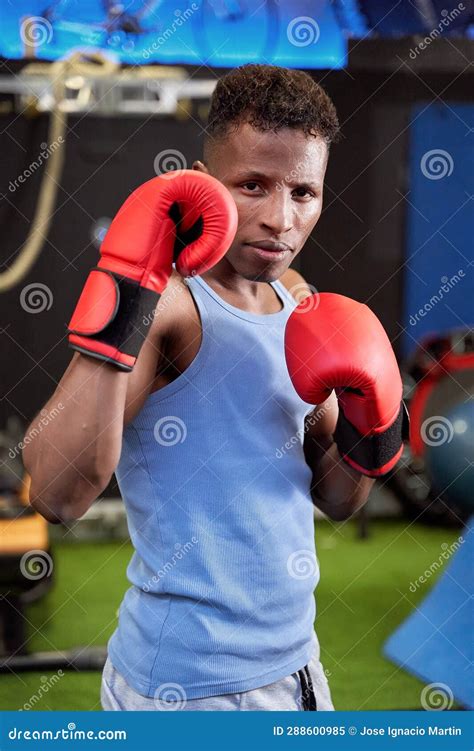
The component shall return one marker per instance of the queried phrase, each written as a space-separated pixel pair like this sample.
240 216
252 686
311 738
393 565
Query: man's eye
303 193
250 185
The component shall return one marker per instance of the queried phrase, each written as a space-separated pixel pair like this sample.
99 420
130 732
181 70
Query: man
205 435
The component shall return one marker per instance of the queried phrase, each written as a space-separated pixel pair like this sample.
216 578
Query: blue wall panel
439 284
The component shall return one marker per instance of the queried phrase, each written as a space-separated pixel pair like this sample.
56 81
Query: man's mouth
269 250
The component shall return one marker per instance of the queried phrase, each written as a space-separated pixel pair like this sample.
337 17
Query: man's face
276 180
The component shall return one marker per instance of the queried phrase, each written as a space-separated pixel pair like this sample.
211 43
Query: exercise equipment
437 378
26 564
27 568
435 642
450 456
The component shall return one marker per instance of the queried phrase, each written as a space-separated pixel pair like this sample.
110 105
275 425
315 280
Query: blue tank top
217 493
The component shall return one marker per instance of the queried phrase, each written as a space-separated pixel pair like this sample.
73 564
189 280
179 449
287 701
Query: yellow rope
75 64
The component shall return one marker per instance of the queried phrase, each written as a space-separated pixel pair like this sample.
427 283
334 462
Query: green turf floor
363 595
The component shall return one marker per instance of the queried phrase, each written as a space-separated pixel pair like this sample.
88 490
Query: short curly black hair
269 97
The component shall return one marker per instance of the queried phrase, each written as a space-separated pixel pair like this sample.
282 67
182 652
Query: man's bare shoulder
176 291
175 303
175 321
296 284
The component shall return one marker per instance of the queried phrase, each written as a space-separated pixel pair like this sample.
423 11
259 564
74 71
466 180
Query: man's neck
250 295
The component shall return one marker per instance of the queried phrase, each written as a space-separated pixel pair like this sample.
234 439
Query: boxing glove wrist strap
372 455
112 318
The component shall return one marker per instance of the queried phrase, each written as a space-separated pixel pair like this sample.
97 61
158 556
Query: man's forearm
338 490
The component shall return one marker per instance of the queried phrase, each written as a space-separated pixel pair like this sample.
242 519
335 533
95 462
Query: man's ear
200 167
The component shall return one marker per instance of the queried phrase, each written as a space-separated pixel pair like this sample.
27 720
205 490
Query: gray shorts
306 689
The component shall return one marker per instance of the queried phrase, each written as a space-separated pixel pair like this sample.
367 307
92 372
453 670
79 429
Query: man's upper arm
152 354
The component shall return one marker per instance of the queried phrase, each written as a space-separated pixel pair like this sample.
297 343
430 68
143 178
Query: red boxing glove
333 342
117 303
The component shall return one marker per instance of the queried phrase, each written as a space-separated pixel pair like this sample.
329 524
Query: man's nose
277 214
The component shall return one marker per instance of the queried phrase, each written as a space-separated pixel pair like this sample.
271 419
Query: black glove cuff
373 452
131 321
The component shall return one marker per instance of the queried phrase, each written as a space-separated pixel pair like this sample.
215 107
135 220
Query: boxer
228 417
